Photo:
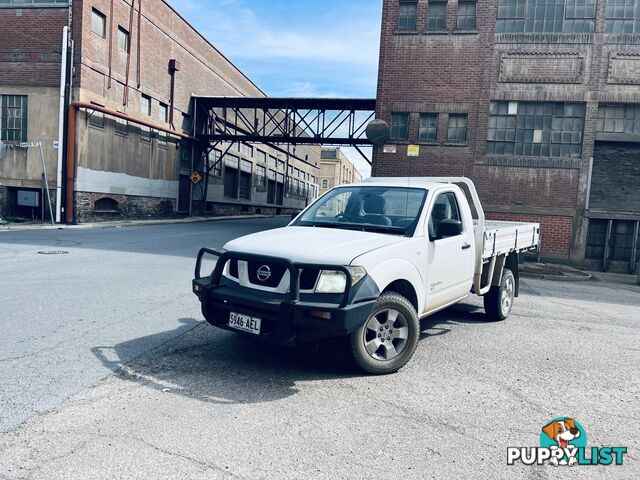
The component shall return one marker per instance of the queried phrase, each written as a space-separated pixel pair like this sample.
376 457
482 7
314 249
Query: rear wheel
389 337
499 301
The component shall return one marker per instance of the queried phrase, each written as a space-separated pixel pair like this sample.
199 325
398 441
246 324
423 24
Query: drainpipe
71 164
125 99
139 40
63 84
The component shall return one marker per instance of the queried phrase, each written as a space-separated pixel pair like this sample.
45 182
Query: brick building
336 169
538 101
139 63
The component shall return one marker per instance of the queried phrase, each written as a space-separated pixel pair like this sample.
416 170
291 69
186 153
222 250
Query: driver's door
449 260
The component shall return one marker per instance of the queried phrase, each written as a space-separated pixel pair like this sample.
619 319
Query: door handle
466 246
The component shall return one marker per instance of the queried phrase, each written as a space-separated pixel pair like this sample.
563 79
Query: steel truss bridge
278 123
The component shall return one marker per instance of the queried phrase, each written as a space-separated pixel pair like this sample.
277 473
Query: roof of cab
415 182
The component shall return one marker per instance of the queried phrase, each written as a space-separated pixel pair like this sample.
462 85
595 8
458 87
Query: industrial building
537 101
336 169
127 145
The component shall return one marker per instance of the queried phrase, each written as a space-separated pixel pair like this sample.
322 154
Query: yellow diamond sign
196 177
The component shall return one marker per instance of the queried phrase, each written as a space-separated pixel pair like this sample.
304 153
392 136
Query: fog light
320 314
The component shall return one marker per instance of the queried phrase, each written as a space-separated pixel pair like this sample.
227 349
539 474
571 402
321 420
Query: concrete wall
22 167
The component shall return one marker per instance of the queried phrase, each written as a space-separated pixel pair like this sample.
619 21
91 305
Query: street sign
196 178
29 144
56 144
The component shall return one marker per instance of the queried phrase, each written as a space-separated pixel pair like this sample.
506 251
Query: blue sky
303 48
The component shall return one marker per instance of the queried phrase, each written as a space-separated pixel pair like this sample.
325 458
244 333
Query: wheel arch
405 288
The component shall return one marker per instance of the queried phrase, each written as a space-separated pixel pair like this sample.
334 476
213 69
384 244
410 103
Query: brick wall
556 232
31 45
462 72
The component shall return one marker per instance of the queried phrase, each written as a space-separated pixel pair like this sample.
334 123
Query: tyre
499 301
389 337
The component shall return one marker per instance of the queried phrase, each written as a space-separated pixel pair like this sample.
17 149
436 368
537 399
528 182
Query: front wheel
389 337
499 301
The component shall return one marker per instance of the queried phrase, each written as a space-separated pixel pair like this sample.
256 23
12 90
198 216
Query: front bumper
287 319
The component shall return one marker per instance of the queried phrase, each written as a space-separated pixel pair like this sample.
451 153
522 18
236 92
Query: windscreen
394 210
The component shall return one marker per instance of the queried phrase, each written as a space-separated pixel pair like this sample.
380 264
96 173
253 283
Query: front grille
308 278
257 275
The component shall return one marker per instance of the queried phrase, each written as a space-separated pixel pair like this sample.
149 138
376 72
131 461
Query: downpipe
63 84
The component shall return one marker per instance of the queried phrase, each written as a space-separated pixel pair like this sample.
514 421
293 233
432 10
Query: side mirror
295 214
449 228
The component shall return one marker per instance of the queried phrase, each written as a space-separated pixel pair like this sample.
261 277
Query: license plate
245 323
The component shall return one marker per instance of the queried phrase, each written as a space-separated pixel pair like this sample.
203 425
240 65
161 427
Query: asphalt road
63 315
211 404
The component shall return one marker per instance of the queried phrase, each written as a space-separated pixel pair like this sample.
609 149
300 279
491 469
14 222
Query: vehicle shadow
198 361
442 322
216 366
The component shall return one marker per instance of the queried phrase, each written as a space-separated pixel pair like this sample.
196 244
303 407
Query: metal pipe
71 163
124 116
46 185
110 43
139 42
492 267
63 85
125 97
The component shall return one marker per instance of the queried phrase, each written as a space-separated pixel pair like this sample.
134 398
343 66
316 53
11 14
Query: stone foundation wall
128 208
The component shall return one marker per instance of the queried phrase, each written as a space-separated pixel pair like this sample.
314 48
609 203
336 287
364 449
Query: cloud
306 48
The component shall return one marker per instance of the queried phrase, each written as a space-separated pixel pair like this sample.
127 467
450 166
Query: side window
445 208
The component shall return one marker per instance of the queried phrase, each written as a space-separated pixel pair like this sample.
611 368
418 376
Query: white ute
368 261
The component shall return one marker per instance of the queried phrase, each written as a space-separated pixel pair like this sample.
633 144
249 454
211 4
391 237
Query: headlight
332 281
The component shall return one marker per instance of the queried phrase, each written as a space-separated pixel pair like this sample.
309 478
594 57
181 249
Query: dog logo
563 442
566 434
264 273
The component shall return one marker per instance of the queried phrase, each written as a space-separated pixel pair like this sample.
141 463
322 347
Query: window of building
428 127
261 156
399 126
122 126
618 119
231 176
546 16
13 122
123 39
96 119
620 17
408 15
466 16
98 23
246 169
215 162
145 105
163 116
437 15
596 237
272 161
145 109
325 183
261 178
457 132
538 129
281 165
